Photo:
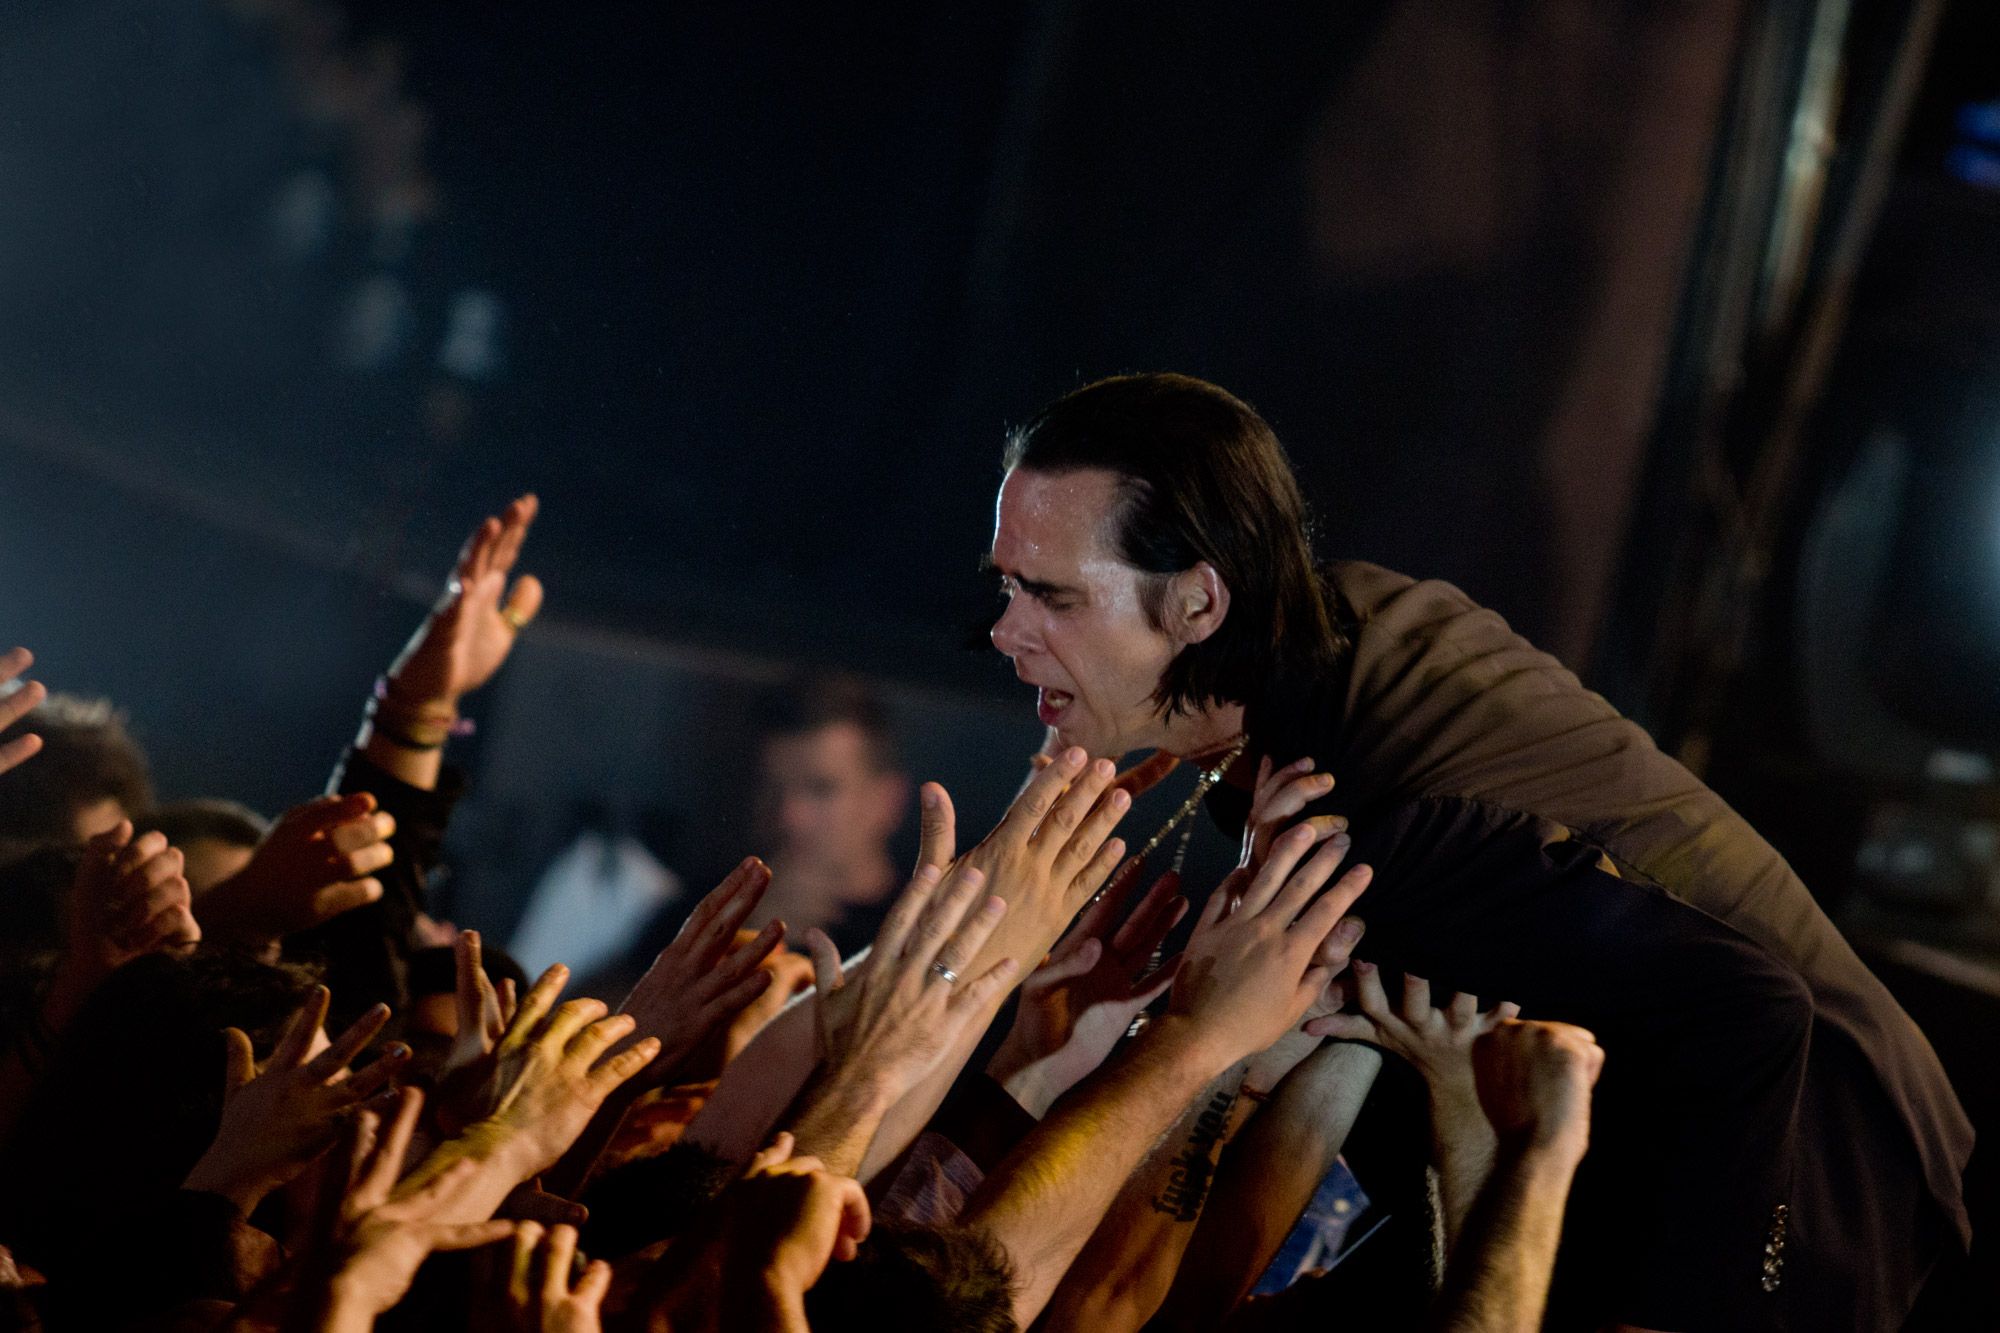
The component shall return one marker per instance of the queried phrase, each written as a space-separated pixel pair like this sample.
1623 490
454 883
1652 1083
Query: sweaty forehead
1053 519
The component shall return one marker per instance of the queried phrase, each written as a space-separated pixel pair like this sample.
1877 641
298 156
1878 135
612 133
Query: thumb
239 1061
1342 1027
938 822
1077 962
324 812
826 961
331 902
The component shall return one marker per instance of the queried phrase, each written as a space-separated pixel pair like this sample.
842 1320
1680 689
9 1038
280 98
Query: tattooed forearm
1193 1167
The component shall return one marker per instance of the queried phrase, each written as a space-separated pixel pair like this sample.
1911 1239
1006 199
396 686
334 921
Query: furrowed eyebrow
1033 587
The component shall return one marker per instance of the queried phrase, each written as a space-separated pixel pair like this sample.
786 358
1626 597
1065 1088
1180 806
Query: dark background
1672 331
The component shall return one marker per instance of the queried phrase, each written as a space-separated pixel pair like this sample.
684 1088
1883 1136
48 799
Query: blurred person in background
87 776
831 796
216 836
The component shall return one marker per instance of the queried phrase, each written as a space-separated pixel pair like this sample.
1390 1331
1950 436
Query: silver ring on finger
945 972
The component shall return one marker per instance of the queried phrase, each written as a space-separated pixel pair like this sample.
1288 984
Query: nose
1013 632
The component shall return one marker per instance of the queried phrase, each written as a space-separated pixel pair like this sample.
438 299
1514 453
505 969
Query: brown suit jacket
1532 844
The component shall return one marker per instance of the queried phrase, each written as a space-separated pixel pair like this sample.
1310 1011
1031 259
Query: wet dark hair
808 704
921 1279
132 1096
1203 479
86 755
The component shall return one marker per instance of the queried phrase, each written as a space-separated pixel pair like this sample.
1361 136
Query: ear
1197 604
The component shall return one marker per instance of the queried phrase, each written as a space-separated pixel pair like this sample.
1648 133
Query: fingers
472 1235
573 1016
959 952
535 1005
1291 900
379 1073
1073 810
1342 1027
1319 921
1295 793
615 1072
364 832
1369 997
323 813
1462 1009
1157 914
507 1004
937 824
725 894
1039 797
1416 998
1098 869
239 1061
558 1255
983 994
20 749
855 1220
1505 1012
514 523
1077 963
472 994
521 1286
720 933
349 1044
336 899
524 602
383 1167
1286 852
593 1286
779 1149
136 853
747 958
903 917
291 1050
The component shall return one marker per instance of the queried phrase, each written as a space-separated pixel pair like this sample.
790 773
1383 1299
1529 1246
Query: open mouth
1050 705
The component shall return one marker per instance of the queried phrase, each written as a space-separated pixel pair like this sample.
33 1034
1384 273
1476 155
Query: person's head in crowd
216 837
831 795
1152 542
430 1022
89 775
924 1279
133 1094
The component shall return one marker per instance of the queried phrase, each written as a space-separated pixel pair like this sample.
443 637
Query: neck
1207 736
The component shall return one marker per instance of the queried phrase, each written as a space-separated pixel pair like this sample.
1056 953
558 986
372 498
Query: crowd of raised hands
1043 1095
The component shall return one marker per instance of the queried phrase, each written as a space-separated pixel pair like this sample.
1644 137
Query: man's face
829 807
1075 624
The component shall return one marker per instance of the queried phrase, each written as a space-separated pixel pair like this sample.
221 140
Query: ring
515 620
945 972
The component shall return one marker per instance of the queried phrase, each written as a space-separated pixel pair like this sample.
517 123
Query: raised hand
484 1013
473 626
1256 962
1278 800
1534 1082
704 979
17 703
552 1070
368 1246
1078 1003
546 1293
274 1123
917 997
1049 853
317 861
1437 1040
130 898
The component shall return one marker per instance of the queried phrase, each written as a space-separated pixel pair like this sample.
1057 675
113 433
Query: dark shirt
1531 844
